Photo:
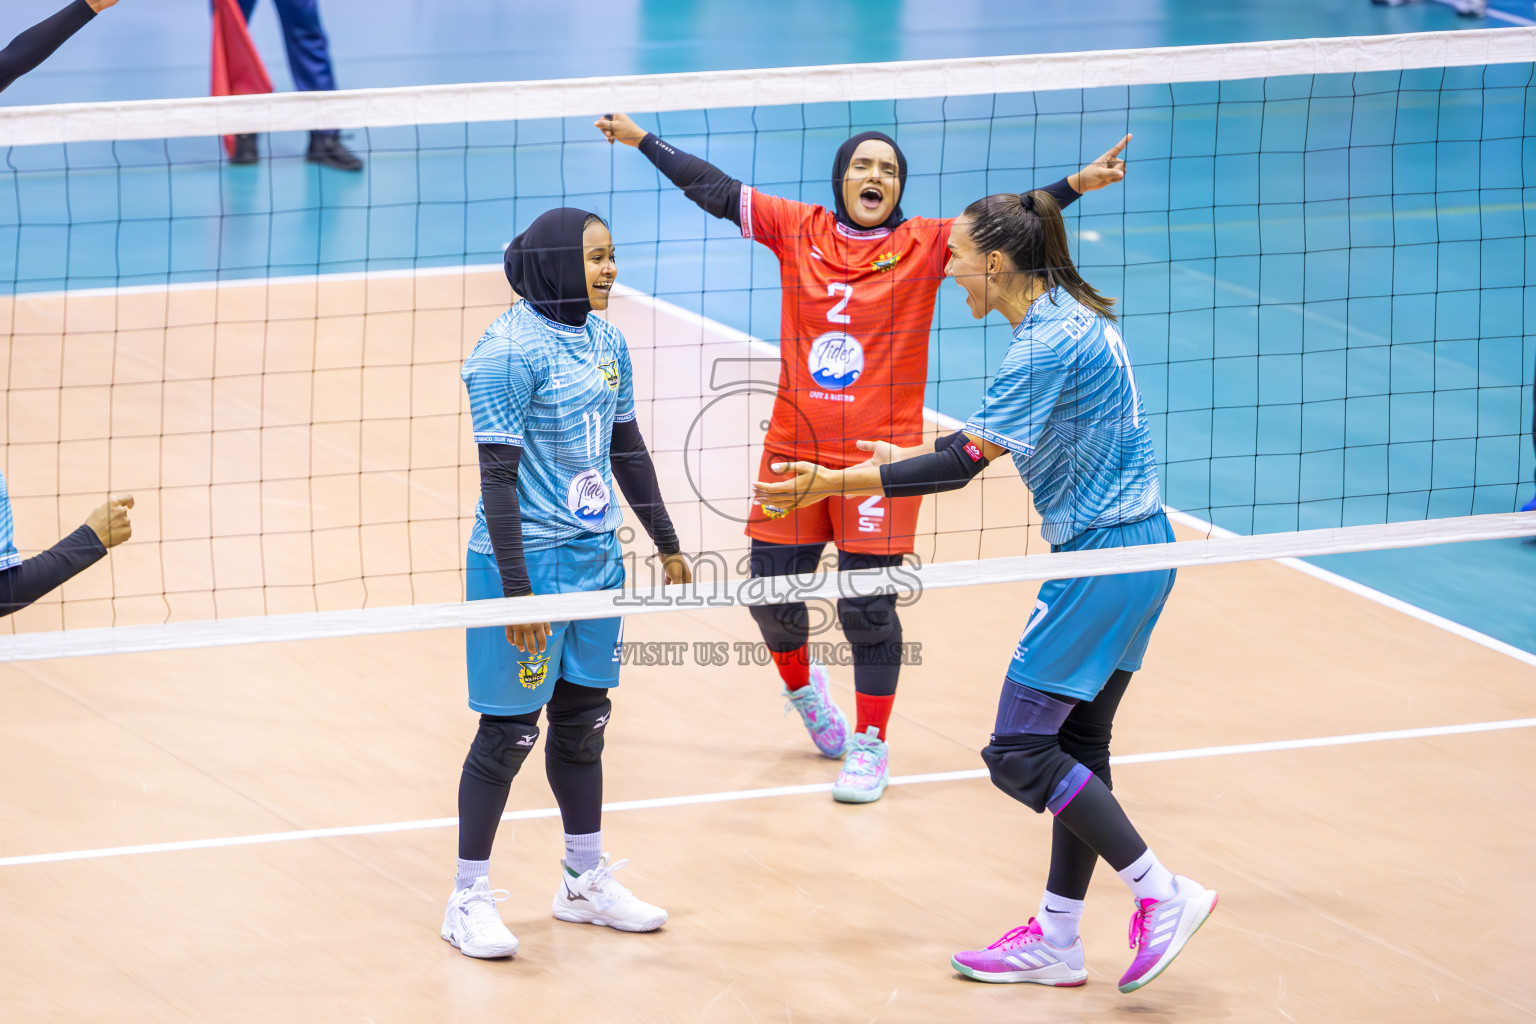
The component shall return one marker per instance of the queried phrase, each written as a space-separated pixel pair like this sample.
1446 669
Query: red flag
237 67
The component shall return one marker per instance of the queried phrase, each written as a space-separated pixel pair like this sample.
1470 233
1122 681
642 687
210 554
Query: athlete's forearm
36 44
635 474
715 192
503 516
899 454
22 584
955 462
1065 191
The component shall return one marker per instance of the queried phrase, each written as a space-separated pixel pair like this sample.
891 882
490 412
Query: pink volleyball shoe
1160 928
1024 955
823 719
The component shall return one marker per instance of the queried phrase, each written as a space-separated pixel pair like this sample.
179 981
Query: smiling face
872 183
597 258
969 267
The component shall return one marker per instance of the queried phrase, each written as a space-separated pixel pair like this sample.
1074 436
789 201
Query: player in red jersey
859 284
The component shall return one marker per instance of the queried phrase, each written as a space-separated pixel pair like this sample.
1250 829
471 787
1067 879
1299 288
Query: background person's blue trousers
309 53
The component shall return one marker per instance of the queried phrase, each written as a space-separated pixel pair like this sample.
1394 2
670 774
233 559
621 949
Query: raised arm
37 43
715 192
1106 170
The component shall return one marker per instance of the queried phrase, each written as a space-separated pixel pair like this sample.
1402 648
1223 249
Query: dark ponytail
1028 229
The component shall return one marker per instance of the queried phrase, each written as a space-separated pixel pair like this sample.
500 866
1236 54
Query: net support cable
746 592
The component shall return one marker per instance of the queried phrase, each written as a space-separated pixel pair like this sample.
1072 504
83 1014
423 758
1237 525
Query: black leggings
871 626
1085 736
578 786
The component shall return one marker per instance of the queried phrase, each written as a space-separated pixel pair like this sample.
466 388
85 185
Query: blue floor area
1322 280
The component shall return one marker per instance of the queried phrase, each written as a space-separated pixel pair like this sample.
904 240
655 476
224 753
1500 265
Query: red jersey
857 309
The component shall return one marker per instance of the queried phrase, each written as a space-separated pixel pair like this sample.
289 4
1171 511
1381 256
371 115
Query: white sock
1148 879
469 870
583 852
1059 919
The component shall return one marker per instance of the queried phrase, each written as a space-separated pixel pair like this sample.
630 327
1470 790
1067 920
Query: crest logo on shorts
531 673
886 261
587 498
836 360
609 368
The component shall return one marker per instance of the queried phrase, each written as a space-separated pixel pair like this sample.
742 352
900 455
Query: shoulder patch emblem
886 261
610 371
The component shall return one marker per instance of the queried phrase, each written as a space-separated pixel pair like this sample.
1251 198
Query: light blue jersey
8 554
1065 403
555 391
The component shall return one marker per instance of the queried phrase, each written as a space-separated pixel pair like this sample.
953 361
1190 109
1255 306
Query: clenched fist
110 521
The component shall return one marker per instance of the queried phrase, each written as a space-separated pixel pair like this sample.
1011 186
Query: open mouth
871 197
602 286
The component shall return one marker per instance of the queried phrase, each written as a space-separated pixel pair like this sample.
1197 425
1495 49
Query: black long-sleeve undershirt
22 584
716 193
633 471
719 195
635 474
37 43
503 517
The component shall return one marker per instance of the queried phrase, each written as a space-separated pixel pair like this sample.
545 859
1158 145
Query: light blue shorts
506 681
1083 630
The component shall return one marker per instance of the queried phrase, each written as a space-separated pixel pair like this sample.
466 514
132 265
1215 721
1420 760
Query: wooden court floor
1365 881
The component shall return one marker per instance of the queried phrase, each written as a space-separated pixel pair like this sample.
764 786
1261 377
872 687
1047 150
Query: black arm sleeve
503 519
712 189
22 584
1063 192
948 468
635 474
37 43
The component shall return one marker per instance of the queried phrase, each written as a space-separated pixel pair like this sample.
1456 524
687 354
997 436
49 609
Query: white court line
733 796
1369 593
1496 14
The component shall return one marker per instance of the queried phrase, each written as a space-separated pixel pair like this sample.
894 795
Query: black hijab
840 168
544 265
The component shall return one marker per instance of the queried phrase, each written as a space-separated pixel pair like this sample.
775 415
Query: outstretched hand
619 128
809 484
881 453
1106 170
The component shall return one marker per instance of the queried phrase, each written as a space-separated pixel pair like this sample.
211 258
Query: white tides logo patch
836 360
587 497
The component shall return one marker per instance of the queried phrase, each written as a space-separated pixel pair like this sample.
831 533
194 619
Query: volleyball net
1319 255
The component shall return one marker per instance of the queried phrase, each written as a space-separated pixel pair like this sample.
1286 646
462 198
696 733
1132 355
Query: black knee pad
1028 768
499 750
785 627
576 736
868 621
1088 744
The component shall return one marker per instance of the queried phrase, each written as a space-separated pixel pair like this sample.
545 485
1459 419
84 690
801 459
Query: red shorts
868 524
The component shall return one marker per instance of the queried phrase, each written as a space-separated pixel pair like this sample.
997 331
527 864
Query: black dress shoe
245 150
326 149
